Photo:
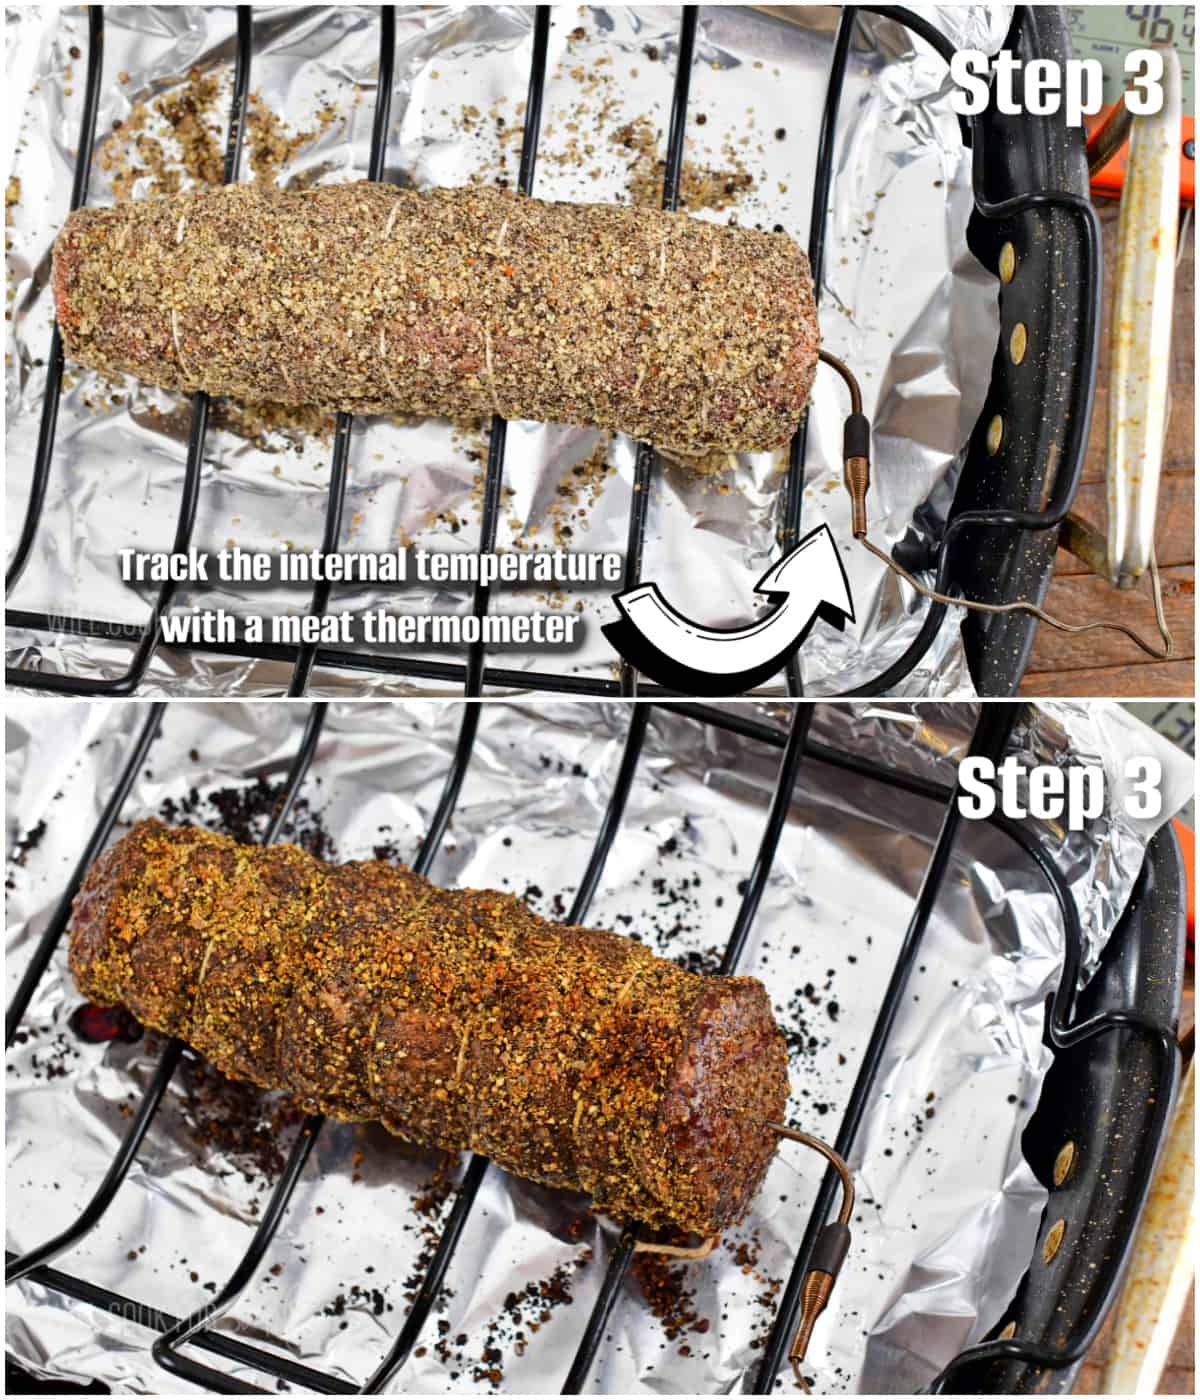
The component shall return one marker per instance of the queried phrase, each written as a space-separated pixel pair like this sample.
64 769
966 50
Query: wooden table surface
1105 663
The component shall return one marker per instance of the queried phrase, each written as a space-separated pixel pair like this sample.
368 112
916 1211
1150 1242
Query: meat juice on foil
949 1210
903 302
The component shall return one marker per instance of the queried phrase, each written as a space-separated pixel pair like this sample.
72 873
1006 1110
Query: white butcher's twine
462 1056
383 365
176 338
490 369
177 341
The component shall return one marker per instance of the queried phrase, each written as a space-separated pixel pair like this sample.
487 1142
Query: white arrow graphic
809 581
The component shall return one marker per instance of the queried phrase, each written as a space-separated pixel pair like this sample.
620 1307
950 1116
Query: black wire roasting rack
1016 479
1117 1031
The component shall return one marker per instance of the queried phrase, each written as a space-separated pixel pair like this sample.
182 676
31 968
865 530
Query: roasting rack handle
1163 1267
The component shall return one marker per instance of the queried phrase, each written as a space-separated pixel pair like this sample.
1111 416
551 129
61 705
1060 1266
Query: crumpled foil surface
903 302
948 1209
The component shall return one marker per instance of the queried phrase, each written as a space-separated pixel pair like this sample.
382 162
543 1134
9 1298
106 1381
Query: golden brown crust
458 1018
697 337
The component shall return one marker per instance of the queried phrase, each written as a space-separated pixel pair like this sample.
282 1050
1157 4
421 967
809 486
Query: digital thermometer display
1107 33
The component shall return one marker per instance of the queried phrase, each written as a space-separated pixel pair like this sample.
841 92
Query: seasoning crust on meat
457 1018
697 337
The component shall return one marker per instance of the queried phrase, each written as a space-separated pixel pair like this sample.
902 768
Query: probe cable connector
828 1254
856 460
856 453
824 1264
856 447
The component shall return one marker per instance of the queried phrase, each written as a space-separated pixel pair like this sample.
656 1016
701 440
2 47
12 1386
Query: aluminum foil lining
903 302
949 1209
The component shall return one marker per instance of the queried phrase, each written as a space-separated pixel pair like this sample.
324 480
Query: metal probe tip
828 1253
814 1299
858 483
